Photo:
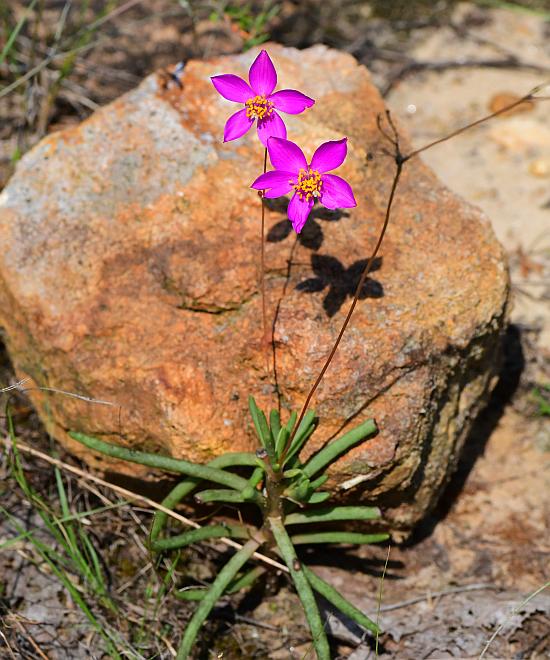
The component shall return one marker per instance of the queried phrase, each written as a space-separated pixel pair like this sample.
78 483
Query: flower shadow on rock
311 236
341 282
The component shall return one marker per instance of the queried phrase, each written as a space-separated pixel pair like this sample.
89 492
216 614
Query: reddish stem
262 277
399 168
400 161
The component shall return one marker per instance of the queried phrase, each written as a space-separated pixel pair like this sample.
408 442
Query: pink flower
308 181
259 101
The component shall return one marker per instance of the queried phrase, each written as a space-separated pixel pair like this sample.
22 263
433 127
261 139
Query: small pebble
503 99
540 167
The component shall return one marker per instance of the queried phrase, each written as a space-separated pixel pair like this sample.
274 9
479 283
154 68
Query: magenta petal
329 155
273 193
298 212
279 183
286 156
291 101
336 193
272 126
262 75
232 87
236 126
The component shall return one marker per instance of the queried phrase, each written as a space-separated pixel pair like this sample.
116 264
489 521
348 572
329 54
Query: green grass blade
336 598
338 537
219 585
303 588
75 516
333 513
68 531
98 584
338 447
80 549
50 558
16 30
162 462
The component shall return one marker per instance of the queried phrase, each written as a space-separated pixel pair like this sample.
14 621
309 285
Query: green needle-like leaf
338 537
247 494
305 429
320 481
173 498
274 424
246 580
289 474
338 447
303 588
256 477
162 462
191 593
318 498
233 459
333 513
200 534
281 440
300 491
297 446
336 598
181 490
291 421
220 584
261 426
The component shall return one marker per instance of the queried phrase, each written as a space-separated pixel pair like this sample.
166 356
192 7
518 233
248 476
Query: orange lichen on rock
129 273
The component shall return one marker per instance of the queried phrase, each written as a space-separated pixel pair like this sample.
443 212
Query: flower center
258 107
309 184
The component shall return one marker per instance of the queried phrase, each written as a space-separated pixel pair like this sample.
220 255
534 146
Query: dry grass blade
136 497
514 611
28 636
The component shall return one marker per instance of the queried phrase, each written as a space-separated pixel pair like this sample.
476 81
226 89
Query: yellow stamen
309 184
258 107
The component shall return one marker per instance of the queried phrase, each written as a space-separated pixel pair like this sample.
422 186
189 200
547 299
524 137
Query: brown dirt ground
486 546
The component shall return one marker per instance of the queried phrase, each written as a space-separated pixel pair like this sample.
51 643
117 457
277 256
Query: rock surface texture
129 271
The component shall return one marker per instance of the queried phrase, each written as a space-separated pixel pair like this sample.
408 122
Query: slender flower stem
400 160
399 166
265 348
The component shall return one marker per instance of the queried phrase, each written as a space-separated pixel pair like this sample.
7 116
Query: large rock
129 266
